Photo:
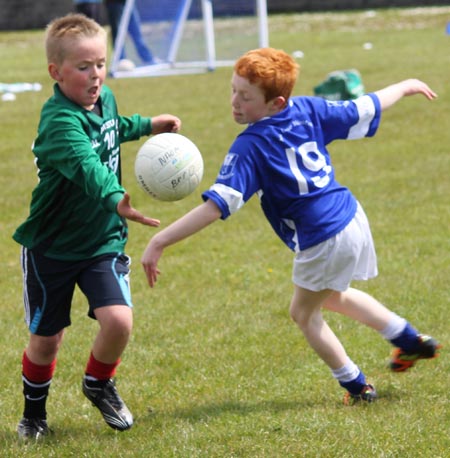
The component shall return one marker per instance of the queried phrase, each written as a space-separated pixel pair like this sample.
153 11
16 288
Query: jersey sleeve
238 178
348 119
133 127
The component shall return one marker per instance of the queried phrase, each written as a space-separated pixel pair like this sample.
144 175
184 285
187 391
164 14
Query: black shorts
49 284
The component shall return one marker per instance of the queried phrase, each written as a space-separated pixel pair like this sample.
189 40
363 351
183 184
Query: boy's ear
54 72
278 103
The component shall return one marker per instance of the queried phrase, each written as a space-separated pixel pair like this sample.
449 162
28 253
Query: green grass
215 367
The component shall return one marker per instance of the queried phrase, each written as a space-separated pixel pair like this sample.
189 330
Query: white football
168 167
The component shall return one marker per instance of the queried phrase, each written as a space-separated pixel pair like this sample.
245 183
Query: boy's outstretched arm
187 225
393 93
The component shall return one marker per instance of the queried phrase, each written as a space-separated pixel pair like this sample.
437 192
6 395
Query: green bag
341 85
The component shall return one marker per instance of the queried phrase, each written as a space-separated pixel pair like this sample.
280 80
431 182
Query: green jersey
73 212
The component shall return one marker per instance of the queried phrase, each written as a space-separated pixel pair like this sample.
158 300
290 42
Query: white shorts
333 264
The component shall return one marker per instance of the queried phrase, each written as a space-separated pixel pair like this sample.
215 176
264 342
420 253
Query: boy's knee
119 327
44 348
304 317
298 315
118 324
118 318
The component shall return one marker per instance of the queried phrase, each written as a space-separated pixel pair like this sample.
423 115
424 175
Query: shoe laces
112 395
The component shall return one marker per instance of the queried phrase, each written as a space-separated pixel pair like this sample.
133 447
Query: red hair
273 70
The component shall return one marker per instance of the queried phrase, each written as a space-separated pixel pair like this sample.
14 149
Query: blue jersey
284 160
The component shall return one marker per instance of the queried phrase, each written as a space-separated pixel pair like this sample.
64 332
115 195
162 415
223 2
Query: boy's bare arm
187 225
393 93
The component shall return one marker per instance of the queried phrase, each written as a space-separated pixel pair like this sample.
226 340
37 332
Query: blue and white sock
350 377
401 334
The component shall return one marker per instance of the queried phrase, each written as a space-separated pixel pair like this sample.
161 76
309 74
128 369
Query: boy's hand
415 86
125 210
150 260
165 123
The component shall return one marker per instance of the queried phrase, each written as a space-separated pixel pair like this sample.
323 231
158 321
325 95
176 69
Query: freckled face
248 101
81 75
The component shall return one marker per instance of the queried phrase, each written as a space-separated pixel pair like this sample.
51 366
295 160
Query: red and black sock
36 384
96 371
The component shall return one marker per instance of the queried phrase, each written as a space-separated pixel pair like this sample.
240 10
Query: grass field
215 367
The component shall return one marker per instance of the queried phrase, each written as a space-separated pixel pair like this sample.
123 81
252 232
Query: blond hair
63 31
272 70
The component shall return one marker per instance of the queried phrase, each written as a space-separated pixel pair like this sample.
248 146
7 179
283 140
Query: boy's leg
98 384
362 307
38 366
116 322
105 282
306 312
48 289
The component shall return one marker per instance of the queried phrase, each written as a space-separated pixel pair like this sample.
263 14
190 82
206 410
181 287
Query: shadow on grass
203 411
95 427
196 413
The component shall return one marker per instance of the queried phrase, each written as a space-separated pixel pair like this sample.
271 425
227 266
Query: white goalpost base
186 37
